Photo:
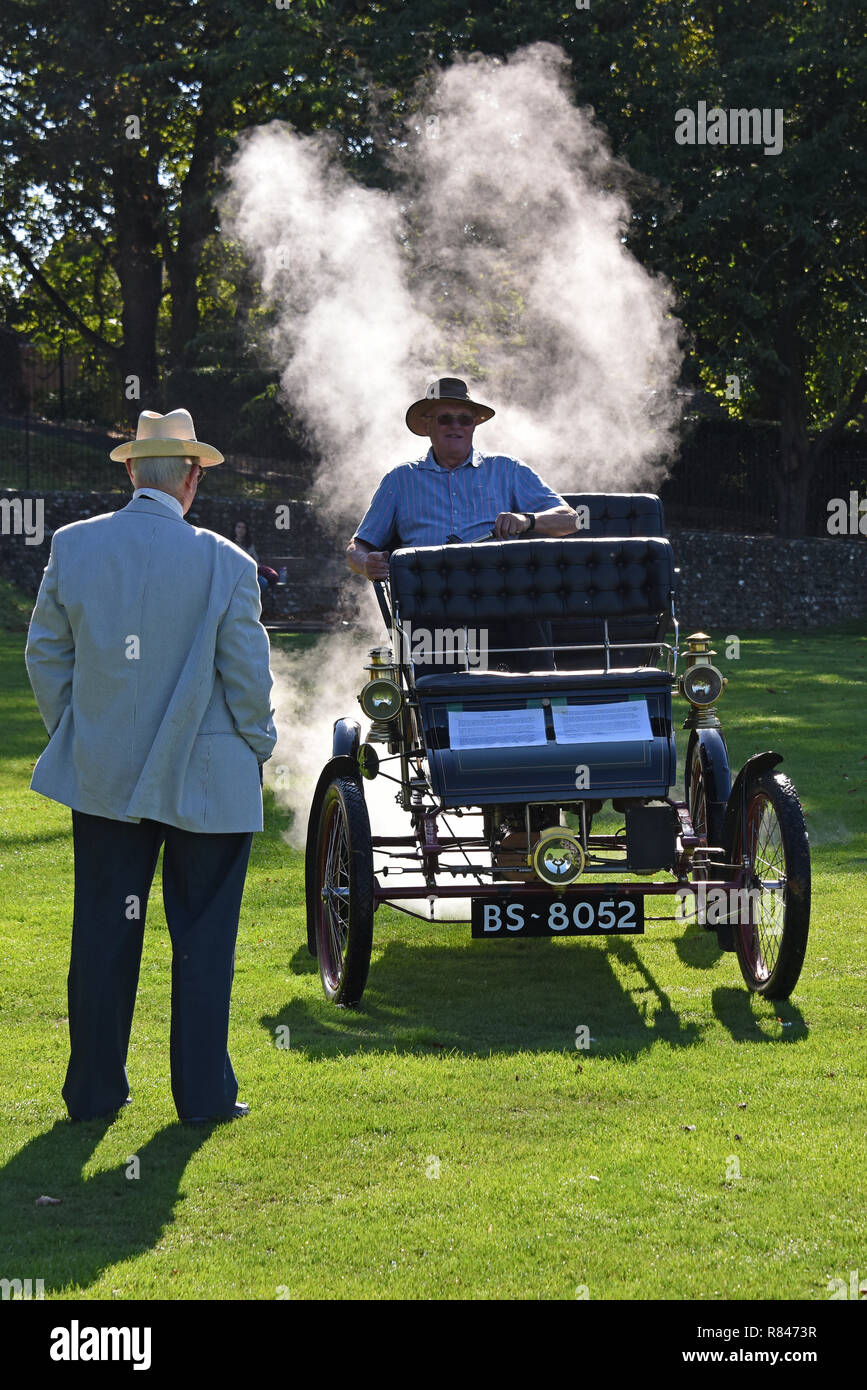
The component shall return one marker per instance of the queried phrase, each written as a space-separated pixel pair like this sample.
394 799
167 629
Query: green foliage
112 243
114 124
90 398
766 250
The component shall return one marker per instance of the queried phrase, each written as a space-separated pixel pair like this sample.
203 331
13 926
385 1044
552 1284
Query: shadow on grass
735 1010
39 837
103 1219
698 948
491 998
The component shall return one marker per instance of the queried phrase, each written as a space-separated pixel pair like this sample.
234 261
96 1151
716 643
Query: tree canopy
117 121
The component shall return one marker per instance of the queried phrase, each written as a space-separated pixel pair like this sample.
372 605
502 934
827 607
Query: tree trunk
795 471
797 458
138 262
196 220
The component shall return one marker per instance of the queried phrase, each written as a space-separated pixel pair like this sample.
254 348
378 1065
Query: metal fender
759 762
714 758
345 740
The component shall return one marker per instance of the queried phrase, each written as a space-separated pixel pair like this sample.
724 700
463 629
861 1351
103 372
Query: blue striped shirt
422 503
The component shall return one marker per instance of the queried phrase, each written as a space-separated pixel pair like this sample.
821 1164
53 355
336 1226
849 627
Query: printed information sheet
502 728
627 721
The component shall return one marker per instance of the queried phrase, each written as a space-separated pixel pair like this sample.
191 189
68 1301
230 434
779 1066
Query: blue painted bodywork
484 776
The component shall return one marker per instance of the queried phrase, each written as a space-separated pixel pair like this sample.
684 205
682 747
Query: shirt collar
164 499
472 460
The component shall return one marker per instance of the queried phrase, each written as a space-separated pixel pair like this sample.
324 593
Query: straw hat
167 436
450 389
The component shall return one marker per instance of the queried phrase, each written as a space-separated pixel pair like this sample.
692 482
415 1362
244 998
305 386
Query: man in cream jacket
151 671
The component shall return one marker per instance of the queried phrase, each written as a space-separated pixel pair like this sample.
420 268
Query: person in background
241 537
265 575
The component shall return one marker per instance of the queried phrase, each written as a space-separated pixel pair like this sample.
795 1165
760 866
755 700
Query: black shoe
237 1112
106 1114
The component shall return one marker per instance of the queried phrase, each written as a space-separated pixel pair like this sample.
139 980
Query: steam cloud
499 258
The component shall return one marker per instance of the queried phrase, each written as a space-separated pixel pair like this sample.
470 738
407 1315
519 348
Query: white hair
167 473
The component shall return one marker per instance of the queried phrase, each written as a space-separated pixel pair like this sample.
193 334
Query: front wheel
707 785
770 927
344 892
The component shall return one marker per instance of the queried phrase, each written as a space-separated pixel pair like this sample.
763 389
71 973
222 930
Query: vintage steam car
501 772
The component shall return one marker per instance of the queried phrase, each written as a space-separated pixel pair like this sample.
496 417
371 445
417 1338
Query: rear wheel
344 892
770 928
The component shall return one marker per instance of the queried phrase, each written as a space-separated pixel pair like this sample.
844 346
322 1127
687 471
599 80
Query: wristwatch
531 516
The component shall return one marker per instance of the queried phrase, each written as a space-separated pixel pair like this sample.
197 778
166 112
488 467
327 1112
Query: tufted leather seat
576 577
614 514
620 513
579 580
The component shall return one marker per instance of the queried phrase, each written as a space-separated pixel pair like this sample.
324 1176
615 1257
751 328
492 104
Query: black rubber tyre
344 892
707 818
771 933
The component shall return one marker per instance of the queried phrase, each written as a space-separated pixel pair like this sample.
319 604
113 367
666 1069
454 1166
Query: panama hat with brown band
451 390
167 436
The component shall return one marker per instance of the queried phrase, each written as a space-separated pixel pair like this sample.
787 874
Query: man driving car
457 493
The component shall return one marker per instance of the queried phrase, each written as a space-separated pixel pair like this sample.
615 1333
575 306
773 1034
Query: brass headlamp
702 683
381 698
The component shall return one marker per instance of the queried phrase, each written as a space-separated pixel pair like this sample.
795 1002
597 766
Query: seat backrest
613 514
619 513
576 577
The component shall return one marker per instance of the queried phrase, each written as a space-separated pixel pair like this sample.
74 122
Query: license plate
560 914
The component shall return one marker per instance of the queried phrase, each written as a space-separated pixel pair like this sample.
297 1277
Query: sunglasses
463 420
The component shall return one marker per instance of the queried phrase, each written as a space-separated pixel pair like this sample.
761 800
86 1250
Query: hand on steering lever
376 564
511 524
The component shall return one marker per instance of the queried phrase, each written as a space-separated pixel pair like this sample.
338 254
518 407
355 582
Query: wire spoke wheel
696 798
704 799
344 908
773 915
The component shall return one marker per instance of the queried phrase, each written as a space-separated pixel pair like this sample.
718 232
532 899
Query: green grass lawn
447 1139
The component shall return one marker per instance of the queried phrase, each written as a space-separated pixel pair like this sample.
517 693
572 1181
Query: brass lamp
381 698
702 683
558 857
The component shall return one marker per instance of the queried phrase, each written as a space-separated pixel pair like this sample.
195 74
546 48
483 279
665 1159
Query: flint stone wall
745 582
312 556
731 581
